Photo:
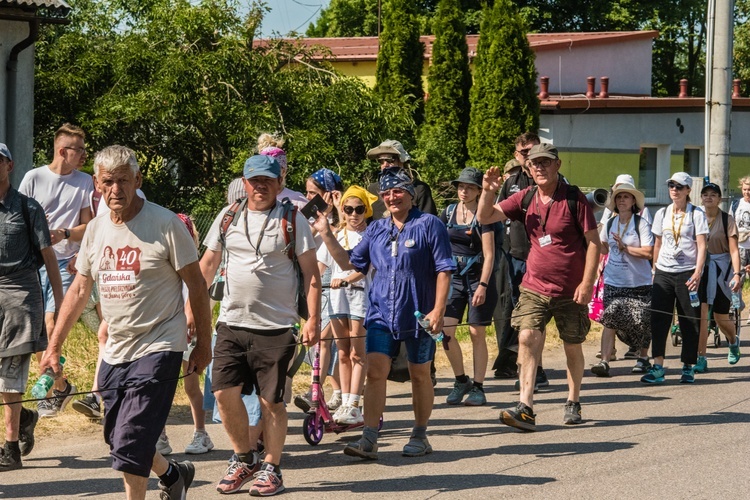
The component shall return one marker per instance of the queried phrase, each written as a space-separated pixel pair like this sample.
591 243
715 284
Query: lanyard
622 231
256 247
677 234
394 238
546 216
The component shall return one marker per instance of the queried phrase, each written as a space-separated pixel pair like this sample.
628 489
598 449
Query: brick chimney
604 90
683 89
544 82
590 83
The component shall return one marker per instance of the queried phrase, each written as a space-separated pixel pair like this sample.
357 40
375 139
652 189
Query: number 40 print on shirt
118 271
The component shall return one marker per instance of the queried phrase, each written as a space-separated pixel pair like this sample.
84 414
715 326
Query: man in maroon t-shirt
559 279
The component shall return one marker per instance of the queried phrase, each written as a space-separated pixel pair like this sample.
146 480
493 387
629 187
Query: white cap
682 178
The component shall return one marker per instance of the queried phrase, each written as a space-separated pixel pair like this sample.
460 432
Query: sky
291 15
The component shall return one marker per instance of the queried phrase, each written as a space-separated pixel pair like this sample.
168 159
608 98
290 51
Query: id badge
394 248
545 240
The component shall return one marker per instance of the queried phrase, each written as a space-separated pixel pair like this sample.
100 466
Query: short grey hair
114 157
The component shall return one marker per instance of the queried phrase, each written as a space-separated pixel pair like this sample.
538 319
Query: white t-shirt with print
623 270
679 251
608 214
348 240
742 217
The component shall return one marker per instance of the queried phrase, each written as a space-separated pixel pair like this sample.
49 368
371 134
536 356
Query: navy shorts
134 418
419 350
462 291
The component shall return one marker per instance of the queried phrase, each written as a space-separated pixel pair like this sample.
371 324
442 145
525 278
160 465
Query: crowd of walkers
373 274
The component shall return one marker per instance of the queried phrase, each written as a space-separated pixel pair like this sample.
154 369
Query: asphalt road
668 441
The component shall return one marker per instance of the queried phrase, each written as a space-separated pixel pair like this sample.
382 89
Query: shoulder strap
230 218
526 201
449 210
725 220
609 225
572 197
733 207
289 227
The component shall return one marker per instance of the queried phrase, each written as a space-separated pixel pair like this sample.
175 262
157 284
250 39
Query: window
647 171
691 162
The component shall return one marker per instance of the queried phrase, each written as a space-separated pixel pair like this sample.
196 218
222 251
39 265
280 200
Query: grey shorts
14 373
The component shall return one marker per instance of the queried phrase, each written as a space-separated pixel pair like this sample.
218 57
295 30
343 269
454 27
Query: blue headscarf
392 178
329 179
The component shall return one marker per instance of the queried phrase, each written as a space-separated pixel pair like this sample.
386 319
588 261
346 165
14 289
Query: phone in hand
310 211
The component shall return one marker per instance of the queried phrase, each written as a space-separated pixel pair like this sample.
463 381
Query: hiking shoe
29 418
688 375
572 413
519 417
476 397
302 401
701 366
362 448
655 375
734 352
641 366
201 444
417 447
267 482
88 406
335 402
162 445
49 408
9 460
351 415
178 491
506 373
601 369
237 474
460 389
632 353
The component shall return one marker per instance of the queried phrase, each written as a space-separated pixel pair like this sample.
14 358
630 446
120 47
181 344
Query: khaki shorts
535 310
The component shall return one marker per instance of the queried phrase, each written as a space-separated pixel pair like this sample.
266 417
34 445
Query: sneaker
49 408
339 413
417 447
688 375
237 474
701 366
302 401
351 415
88 406
178 491
519 417
632 353
601 369
641 366
734 352
29 418
335 402
460 389
362 448
506 373
267 482
540 381
655 375
572 413
201 444
9 460
476 397
162 445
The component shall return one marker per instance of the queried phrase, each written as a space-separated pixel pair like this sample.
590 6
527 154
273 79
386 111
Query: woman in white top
741 213
628 241
679 255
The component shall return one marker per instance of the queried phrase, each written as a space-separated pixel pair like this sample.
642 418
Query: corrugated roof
366 48
58 5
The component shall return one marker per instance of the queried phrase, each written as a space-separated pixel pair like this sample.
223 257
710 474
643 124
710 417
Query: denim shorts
419 350
67 280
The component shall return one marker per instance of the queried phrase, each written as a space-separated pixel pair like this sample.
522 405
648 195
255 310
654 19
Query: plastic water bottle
736 300
694 300
45 382
425 323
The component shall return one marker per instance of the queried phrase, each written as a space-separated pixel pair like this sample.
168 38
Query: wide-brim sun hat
626 187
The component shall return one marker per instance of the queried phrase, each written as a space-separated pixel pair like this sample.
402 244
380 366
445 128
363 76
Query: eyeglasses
393 193
78 149
545 163
674 185
348 209
524 152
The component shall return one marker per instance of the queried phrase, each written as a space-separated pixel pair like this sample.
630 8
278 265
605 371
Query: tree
504 103
441 149
401 58
742 44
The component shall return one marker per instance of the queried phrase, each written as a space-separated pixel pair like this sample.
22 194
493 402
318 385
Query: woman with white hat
628 241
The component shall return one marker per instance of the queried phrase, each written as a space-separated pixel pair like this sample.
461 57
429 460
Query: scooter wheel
313 428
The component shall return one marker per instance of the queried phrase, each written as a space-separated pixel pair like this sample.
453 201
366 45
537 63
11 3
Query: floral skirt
627 311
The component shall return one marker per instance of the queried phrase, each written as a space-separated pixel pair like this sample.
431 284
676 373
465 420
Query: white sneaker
335 402
162 445
201 444
353 416
340 412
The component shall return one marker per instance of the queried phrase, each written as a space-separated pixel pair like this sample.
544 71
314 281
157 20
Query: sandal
362 449
417 447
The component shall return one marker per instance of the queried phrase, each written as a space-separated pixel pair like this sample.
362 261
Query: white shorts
349 302
14 373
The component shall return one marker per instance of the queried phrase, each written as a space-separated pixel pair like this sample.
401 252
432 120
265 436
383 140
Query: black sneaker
88 406
641 366
541 380
178 491
9 460
601 369
303 402
572 413
519 417
29 418
506 372
632 353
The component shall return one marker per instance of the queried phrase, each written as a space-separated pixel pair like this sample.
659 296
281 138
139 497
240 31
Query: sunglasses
359 209
523 152
674 185
388 160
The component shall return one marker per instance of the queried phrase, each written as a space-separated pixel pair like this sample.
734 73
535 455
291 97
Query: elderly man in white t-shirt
141 300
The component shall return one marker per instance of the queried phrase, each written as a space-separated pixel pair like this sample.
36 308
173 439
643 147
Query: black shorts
462 290
722 303
134 418
253 359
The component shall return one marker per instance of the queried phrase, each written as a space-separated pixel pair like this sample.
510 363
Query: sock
479 385
462 378
246 458
370 434
345 398
171 476
272 468
419 432
354 400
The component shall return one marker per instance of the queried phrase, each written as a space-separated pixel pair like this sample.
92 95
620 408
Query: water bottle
736 300
45 382
425 323
694 300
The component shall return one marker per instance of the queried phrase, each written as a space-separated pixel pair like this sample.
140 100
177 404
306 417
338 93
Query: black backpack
571 196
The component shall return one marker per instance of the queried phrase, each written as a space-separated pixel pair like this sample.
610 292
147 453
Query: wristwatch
67 233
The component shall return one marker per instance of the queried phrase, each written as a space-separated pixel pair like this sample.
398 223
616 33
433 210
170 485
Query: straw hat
626 187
